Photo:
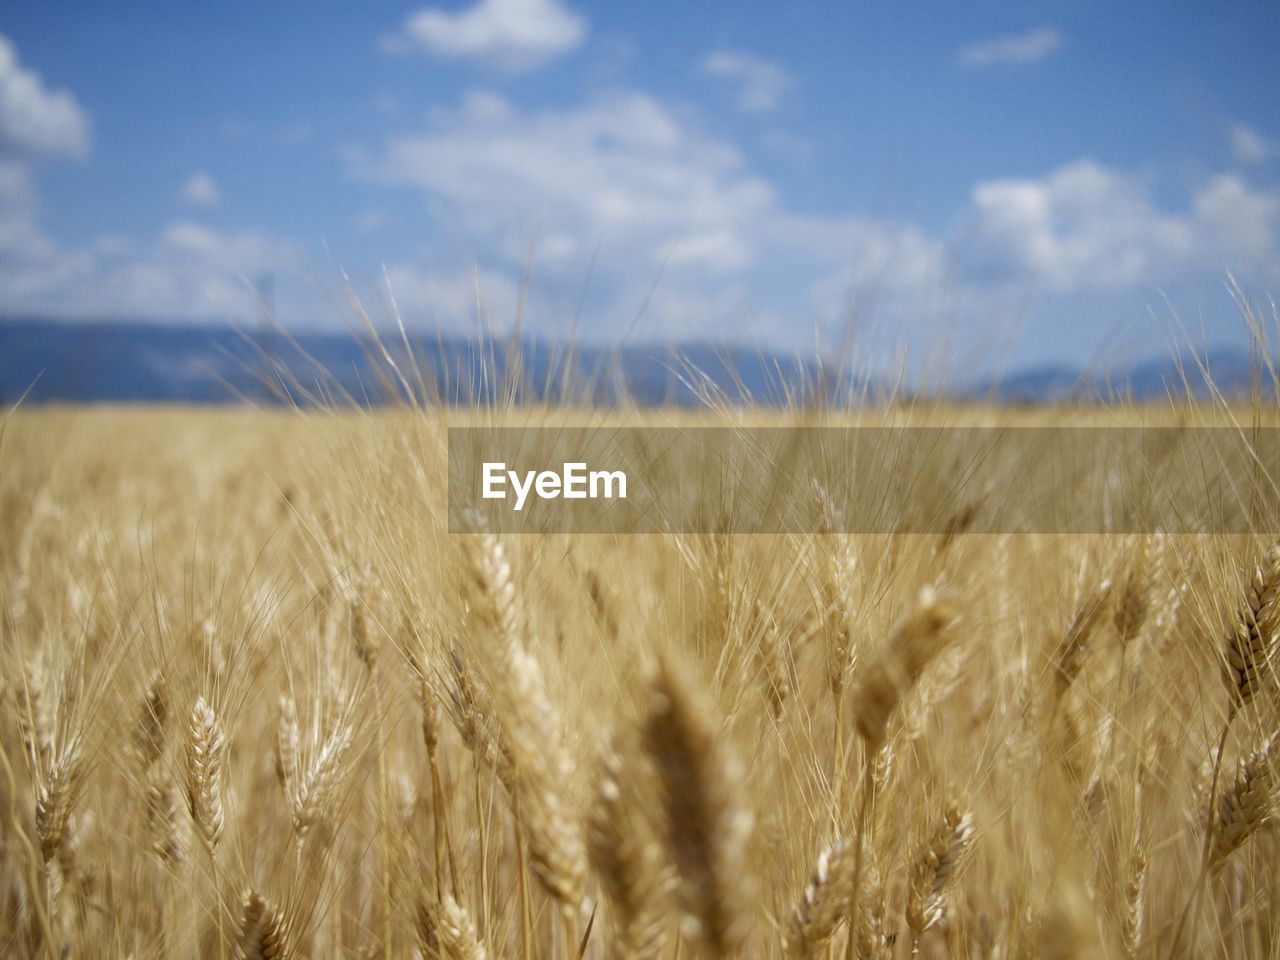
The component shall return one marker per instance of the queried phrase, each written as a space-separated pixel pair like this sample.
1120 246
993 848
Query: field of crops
258 702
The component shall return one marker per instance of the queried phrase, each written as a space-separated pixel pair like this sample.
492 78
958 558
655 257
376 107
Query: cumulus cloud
35 121
759 84
1248 145
31 262
1013 48
622 167
372 221
656 192
189 271
627 187
457 297
624 170
515 35
200 190
1087 227
36 125
1239 225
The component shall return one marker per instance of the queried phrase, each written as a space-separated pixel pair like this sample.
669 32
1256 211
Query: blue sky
1020 182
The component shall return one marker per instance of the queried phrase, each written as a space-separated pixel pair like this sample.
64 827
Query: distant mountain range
125 362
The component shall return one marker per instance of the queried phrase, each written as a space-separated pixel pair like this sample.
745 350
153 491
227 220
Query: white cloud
455 298
1086 227
623 170
1013 48
645 184
189 271
200 190
36 125
34 120
760 85
1081 226
626 176
515 35
1248 145
31 263
622 167
1240 226
882 253
16 188
114 246
372 221
715 249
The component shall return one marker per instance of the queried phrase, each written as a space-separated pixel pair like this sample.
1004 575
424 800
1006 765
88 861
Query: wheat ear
887 678
543 767
30 696
287 747
1251 645
315 792
161 804
149 735
429 702
264 934
825 901
1248 806
707 825
628 863
872 940
1249 655
897 667
1133 602
1135 897
446 931
55 801
935 868
205 757
1075 641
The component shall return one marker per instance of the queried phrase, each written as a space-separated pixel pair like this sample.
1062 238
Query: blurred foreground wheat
257 703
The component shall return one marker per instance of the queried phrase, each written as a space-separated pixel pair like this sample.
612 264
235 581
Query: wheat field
258 702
